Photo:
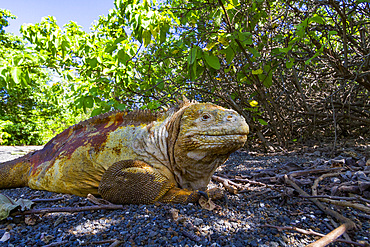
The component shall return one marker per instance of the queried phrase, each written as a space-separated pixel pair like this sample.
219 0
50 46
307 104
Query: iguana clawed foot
214 194
136 182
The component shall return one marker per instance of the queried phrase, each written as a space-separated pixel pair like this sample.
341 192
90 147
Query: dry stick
347 204
331 236
303 173
250 181
69 209
228 184
322 177
310 232
310 171
353 198
100 242
56 244
257 193
48 199
338 203
349 224
345 235
116 243
325 209
272 187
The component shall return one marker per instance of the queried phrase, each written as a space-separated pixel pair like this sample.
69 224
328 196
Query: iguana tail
14 173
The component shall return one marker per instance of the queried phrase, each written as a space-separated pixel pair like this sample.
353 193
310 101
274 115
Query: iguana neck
151 145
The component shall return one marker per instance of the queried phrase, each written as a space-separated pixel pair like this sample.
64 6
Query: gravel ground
239 220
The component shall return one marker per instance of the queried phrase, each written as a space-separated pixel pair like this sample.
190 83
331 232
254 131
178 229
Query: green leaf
163 32
110 48
254 51
316 18
193 55
212 61
230 54
192 71
235 2
96 112
119 40
16 73
289 64
147 36
122 56
121 107
245 38
161 85
263 122
88 102
284 50
210 46
93 62
257 72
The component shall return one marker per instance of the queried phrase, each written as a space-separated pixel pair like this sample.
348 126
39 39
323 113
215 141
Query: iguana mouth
210 140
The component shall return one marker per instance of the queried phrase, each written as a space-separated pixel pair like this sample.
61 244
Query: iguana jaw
216 142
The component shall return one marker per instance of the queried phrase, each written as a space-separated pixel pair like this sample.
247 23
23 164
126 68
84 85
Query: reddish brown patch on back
93 132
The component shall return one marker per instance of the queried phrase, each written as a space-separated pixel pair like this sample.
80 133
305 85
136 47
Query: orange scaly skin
136 157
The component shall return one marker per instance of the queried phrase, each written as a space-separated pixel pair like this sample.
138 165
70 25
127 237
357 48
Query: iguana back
89 137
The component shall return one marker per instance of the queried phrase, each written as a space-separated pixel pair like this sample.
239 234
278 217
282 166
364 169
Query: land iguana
137 157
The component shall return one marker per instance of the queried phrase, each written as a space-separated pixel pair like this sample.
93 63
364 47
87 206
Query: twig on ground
309 232
331 236
115 243
244 180
347 204
37 200
312 171
353 198
56 244
69 209
231 186
325 209
257 193
280 177
336 225
335 202
322 177
366 216
97 201
101 242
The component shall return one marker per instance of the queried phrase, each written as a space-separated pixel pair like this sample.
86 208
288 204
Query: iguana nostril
229 117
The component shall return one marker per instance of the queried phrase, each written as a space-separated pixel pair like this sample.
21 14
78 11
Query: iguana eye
205 117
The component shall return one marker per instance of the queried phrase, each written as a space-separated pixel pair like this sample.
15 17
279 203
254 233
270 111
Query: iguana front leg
136 182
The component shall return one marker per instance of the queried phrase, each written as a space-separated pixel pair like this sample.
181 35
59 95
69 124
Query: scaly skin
137 157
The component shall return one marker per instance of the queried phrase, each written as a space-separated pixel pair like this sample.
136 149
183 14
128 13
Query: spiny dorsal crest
135 117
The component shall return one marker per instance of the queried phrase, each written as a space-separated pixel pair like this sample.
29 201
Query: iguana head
203 136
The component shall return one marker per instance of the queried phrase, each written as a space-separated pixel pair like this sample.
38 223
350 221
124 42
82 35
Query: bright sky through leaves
84 12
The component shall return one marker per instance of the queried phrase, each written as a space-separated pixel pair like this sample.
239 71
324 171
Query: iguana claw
204 194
